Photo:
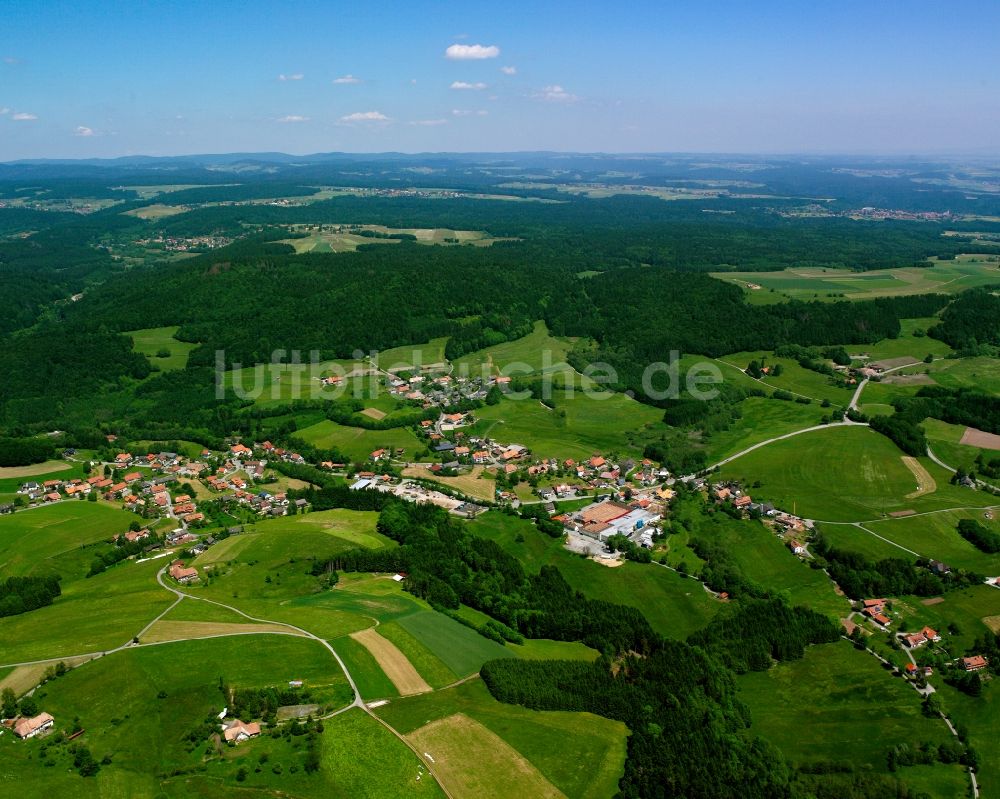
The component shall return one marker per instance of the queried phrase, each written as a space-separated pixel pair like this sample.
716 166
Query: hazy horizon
107 81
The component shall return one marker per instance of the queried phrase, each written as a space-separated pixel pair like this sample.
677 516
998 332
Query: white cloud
471 52
83 130
292 118
296 76
9 59
555 94
463 85
365 116
346 79
464 112
21 116
429 123
508 70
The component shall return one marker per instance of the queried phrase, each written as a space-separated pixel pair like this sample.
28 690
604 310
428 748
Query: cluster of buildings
875 609
185 244
636 520
30 727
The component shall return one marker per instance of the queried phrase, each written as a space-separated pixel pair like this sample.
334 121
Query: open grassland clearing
34 470
411 356
761 419
838 704
470 760
45 540
675 606
139 705
794 378
460 648
980 373
91 615
357 443
843 473
347 238
581 754
766 560
406 680
925 483
153 342
436 673
578 426
826 283
165 630
981 716
157 211
935 536
538 352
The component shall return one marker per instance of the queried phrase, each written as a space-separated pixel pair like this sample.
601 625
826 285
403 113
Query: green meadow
935 535
577 427
806 283
139 705
153 341
838 704
537 352
358 443
843 473
581 754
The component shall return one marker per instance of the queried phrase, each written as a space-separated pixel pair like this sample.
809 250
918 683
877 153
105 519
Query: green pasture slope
843 473
535 353
583 755
358 443
139 705
838 704
577 427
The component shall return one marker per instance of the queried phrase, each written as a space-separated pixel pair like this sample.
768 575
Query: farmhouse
238 731
29 728
974 663
181 573
915 640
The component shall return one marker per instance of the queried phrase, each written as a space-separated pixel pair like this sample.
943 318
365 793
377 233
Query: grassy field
579 426
46 540
761 419
805 283
935 536
536 352
580 754
974 611
794 378
471 760
763 557
945 440
844 473
357 443
139 705
981 715
461 649
839 704
675 606
151 341
413 355
91 615
982 374
13 477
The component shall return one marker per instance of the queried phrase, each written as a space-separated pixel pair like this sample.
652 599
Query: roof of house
25 727
234 730
604 512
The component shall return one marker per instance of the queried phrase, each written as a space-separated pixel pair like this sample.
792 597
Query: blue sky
97 79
